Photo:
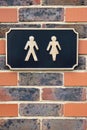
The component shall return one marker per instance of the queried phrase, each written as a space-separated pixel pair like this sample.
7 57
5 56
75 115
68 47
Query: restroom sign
42 49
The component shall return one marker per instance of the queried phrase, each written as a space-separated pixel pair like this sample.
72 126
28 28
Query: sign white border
42 69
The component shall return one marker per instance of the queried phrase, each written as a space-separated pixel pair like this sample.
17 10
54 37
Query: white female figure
55 47
31 44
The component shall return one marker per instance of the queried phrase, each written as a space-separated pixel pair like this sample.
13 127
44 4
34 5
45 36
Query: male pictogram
55 47
31 45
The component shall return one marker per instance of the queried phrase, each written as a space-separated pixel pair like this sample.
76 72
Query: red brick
47 94
4 96
83 47
2 47
8 15
37 1
8 110
76 15
8 78
75 109
75 79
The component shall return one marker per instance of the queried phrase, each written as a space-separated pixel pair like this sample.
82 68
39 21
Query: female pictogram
55 47
31 44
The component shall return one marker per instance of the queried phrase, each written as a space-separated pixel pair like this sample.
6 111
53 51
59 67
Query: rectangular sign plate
42 49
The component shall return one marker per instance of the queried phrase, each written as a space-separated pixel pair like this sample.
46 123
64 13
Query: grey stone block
19 2
19 94
40 110
64 124
41 14
80 28
19 124
81 63
3 63
40 79
5 27
64 94
64 2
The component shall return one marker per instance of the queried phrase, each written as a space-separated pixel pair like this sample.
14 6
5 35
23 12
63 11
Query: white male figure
55 47
31 44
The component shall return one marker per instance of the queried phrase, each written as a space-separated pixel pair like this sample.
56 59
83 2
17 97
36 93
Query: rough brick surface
19 94
19 2
8 110
82 46
81 63
75 109
8 15
2 47
75 79
41 14
64 94
76 15
80 28
19 124
8 78
85 1
40 110
5 27
64 124
40 79
3 63
43 100
64 2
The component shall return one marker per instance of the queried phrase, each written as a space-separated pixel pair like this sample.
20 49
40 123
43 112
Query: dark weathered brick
85 2
19 94
80 28
40 79
64 94
64 124
40 110
3 63
64 2
41 14
5 27
81 63
19 2
19 124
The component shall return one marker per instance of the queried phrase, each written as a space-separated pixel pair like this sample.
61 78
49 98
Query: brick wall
43 100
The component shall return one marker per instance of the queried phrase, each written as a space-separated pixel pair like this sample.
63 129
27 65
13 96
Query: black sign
43 49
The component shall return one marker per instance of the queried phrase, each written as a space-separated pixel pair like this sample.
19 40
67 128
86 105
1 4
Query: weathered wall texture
43 100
